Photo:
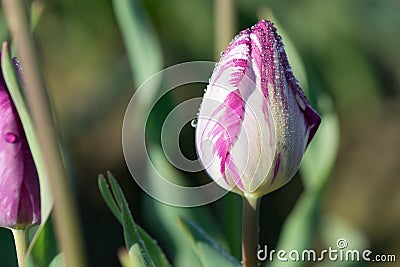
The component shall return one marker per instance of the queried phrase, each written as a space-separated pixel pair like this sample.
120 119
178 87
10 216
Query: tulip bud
254 122
19 183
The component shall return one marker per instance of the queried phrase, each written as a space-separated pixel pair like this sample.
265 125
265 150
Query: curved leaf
211 254
136 239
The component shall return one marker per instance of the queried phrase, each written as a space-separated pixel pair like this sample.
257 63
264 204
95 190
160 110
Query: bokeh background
350 51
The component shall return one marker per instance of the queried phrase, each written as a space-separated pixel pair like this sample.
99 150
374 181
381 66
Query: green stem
224 15
250 229
21 245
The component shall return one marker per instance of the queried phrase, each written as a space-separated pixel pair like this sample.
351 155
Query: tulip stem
224 24
21 244
250 229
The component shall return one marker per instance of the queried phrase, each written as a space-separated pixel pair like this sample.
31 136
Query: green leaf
3 27
230 208
130 231
36 11
43 247
136 256
116 191
108 198
211 254
58 261
110 195
320 156
163 217
334 228
143 48
131 234
299 228
16 92
157 255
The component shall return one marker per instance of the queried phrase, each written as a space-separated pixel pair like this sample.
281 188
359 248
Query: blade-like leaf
163 217
230 206
157 255
136 256
58 261
143 48
335 228
44 247
131 234
3 27
209 251
299 228
320 156
108 198
116 190
155 252
37 8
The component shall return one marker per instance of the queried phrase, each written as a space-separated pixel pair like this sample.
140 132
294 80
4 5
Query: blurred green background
350 50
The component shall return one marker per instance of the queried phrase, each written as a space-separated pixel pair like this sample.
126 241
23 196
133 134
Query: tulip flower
19 183
254 122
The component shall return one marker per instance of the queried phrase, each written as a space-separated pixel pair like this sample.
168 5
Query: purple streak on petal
271 43
276 168
226 132
263 53
233 172
266 118
229 115
230 60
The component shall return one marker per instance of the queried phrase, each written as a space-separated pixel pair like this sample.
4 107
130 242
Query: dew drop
10 138
193 123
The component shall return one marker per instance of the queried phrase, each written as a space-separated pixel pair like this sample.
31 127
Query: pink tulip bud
254 122
19 183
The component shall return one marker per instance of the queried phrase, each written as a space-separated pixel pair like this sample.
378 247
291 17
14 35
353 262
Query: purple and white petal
255 122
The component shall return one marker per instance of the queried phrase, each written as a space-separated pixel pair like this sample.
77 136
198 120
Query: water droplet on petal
11 138
193 123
